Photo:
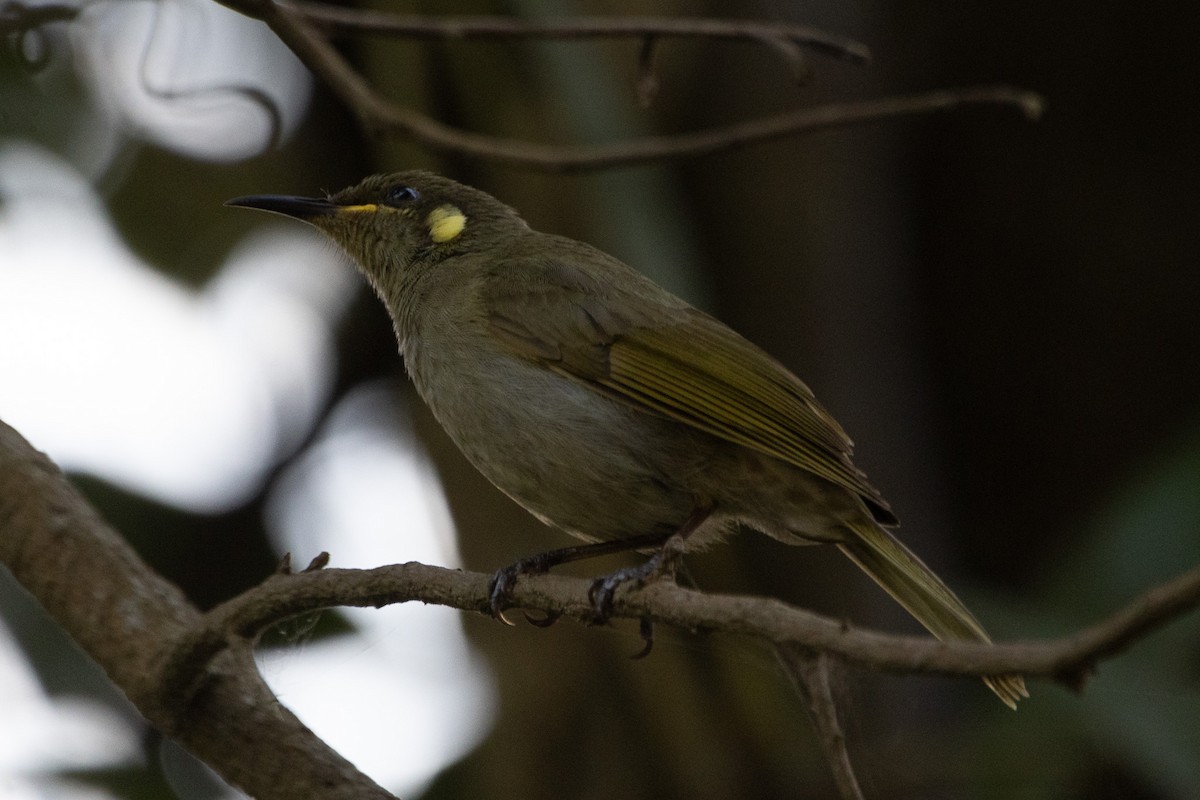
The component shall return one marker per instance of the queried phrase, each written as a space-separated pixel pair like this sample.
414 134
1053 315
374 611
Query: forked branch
191 675
1066 660
305 27
130 620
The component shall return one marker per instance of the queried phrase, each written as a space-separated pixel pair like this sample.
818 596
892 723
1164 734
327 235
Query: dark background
1002 314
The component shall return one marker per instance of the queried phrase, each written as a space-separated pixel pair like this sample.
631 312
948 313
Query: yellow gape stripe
366 208
445 223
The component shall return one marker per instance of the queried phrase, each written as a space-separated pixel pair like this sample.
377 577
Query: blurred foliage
1002 314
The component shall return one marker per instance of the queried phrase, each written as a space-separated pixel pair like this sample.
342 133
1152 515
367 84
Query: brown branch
1067 660
811 674
193 675
294 26
785 36
645 83
129 619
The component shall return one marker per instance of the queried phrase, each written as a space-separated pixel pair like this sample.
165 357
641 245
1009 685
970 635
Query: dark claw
600 595
546 621
646 629
499 591
603 589
501 585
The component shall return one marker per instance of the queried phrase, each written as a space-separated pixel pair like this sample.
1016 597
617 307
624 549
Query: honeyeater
602 403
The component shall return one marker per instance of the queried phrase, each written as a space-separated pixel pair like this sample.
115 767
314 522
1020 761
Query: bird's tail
898 570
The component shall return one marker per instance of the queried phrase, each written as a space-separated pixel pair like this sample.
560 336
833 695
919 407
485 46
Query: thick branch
194 678
294 26
127 618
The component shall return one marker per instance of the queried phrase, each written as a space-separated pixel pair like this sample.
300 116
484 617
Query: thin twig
1067 660
811 674
382 118
339 19
160 650
646 83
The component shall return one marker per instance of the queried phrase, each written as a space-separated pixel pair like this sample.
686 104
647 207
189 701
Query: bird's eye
401 196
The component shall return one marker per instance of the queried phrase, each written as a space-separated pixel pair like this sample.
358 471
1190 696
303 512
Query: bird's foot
501 585
662 563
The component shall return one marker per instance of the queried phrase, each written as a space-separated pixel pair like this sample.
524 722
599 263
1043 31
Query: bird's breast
571 455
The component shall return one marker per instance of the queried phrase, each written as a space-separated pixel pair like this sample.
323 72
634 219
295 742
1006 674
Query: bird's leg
664 562
500 587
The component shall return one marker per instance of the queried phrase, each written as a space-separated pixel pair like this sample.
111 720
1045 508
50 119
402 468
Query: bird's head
389 222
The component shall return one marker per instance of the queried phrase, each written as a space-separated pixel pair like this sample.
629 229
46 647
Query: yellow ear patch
445 223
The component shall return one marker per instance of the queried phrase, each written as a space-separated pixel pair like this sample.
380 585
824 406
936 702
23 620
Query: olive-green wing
705 375
682 364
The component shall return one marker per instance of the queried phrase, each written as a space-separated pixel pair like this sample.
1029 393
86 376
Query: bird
605 405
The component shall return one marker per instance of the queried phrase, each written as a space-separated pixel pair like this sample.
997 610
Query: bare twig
294 26
1067 660
792 56
810 672
782 35
808 644
193 677
646 83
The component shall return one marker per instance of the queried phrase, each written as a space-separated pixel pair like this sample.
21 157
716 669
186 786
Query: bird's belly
570 455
